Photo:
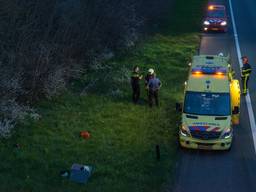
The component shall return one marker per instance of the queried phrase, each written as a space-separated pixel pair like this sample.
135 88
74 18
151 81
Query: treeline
46 43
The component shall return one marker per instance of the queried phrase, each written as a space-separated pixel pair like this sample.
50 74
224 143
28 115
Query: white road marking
247 98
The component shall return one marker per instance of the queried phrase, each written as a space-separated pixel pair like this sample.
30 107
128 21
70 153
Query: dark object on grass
157 152
17 146
80 173
65 173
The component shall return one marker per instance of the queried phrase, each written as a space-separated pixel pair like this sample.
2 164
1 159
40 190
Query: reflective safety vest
246 70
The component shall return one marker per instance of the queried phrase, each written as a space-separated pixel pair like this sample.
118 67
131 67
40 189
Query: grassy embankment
123 136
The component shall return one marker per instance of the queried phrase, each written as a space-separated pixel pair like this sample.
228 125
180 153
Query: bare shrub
12 112
6 127
46 44
55 83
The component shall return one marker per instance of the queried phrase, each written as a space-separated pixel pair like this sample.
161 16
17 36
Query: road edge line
248 97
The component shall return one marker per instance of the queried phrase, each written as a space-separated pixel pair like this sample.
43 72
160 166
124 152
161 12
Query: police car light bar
209 70
211 7
216 7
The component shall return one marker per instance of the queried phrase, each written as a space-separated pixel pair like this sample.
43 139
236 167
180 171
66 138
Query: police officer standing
135 83
245 74
154 85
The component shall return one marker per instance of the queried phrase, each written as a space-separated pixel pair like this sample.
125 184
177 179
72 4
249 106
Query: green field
123 136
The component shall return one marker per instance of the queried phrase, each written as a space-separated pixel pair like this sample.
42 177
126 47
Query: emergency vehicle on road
216 19
211 104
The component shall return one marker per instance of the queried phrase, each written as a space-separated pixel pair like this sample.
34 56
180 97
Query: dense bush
46 43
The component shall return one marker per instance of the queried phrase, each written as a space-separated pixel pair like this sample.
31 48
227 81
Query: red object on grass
85 134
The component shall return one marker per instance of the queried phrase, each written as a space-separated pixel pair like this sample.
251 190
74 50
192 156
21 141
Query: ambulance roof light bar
209 70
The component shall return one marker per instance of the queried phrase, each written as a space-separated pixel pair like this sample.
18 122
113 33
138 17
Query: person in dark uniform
245 73
154 85
135 83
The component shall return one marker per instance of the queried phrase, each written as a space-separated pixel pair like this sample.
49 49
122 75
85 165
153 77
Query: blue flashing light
209 70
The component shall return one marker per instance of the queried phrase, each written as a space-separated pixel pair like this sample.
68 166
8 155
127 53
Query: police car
216 19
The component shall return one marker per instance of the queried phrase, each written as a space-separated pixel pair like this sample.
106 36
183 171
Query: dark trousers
135 94
153 95
245 80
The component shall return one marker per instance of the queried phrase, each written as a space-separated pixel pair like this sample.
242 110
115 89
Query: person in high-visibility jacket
245 73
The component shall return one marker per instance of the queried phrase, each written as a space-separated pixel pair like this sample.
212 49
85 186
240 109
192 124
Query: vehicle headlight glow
223 23
206 23
183 131
227 134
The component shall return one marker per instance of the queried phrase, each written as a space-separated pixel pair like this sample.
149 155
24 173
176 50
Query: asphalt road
235 170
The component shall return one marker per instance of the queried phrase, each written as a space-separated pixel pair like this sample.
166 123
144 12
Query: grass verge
123 136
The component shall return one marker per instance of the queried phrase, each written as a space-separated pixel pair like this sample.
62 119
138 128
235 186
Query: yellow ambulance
211 104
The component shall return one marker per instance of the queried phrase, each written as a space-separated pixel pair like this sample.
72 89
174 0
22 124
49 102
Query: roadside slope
123 136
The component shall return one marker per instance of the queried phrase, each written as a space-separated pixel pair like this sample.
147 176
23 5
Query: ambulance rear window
212 104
